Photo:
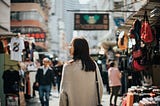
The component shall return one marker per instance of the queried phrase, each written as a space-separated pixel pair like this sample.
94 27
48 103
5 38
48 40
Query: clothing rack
8 35
10 65
12 97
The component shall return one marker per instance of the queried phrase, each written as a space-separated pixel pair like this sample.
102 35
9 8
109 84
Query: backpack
146 32
137 66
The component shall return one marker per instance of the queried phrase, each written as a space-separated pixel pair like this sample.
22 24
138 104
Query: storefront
142 61
17 60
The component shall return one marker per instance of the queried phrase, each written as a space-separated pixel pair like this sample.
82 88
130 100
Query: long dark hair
81 52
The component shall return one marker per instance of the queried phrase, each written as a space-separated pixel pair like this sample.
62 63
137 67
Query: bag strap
97 86
146 17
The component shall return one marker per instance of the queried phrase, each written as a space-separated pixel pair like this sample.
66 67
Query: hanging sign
91 21
39 37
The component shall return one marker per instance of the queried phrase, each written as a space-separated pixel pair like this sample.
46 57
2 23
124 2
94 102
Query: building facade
31 19
5 16
61 26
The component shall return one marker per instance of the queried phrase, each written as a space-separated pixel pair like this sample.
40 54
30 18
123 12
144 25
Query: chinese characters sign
39 37
91 21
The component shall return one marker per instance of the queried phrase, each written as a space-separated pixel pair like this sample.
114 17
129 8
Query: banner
91 21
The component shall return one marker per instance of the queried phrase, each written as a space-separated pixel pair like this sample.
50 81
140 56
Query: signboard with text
39 37
91 21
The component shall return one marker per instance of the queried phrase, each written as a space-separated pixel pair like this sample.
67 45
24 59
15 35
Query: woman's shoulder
71 63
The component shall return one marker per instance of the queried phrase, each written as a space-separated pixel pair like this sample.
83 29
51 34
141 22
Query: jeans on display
44 91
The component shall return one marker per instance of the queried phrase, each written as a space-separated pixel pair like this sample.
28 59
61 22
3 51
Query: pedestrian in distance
78 84
45 79
58 72
114 76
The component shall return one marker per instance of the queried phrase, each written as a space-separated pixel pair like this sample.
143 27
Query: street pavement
54 99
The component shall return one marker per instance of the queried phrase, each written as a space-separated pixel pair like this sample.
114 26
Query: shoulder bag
146 32
97 86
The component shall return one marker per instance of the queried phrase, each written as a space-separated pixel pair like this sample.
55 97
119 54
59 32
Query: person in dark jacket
45 79
58 66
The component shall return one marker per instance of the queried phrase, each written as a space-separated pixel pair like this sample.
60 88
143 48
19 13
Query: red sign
39 37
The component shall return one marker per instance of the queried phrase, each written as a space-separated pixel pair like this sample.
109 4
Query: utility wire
101 11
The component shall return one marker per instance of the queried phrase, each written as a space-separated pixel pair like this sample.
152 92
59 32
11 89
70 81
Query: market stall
142 55
15 50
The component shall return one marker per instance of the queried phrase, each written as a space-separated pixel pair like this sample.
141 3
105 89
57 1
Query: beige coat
78 88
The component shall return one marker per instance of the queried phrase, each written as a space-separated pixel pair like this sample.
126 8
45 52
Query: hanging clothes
16 46
11 80
122 41
27 49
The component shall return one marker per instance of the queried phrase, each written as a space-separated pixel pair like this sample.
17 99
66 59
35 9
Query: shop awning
153 11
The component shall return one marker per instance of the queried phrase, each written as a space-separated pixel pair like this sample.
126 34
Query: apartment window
15 16
26 15
26 29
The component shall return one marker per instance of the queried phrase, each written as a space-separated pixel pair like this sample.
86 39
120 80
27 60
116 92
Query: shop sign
118 21
91 21
39 37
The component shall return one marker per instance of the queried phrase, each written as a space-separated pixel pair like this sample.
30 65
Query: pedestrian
110 54
78 84
114 76
45 79
58 72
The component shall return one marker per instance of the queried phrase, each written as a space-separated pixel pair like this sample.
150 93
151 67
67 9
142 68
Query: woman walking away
78 85
114 76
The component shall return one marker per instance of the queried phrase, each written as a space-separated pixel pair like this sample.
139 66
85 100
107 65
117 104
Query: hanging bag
137 53
137 66
146 32
35 87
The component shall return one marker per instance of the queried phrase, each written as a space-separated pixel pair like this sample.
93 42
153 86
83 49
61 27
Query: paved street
54 99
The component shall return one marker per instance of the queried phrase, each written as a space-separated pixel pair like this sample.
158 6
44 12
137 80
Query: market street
54 99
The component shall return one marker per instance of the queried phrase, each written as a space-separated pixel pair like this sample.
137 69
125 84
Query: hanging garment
123 41
11 81
16 46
